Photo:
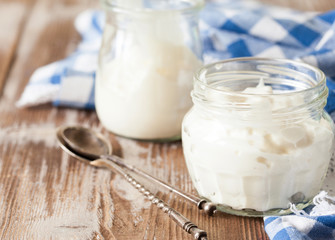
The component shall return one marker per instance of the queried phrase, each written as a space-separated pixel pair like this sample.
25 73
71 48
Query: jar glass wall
257 137
149 52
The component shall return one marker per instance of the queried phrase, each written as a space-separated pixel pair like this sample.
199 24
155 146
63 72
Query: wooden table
45 194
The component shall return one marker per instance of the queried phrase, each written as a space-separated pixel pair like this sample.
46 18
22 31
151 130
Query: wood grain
46 194
309 5
10 31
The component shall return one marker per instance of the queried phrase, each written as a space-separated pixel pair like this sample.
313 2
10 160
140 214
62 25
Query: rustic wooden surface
46 194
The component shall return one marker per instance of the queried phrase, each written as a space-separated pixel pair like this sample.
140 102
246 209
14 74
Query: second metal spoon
91 146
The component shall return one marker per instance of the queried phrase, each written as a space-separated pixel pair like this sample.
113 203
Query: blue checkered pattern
317 222
229 29
300 228
239 29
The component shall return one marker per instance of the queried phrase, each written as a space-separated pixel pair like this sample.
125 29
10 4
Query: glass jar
149 52
257 137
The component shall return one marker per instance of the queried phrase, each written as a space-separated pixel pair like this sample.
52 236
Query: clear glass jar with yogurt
257 137
149 51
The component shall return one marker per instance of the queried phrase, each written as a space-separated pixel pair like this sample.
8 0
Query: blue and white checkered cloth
229 29
315 223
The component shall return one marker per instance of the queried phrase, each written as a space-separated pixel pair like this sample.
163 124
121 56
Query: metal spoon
91 145
64 133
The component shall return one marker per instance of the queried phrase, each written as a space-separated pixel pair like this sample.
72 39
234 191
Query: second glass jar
149 52
257 138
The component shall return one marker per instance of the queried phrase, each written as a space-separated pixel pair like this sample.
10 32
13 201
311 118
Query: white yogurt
143 91
258 165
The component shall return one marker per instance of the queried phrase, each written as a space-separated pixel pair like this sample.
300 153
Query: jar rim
195 5
322 78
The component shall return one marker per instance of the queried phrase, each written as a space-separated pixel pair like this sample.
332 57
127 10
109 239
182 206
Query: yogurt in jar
146 65
258 164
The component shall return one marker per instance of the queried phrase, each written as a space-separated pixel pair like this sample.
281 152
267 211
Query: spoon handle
182 221
202 204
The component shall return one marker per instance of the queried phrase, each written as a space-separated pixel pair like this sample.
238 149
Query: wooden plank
38 181
309 5
10 30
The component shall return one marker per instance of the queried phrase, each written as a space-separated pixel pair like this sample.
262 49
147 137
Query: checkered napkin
229 29
315 223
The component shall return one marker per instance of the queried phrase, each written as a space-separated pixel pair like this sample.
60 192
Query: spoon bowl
83 143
